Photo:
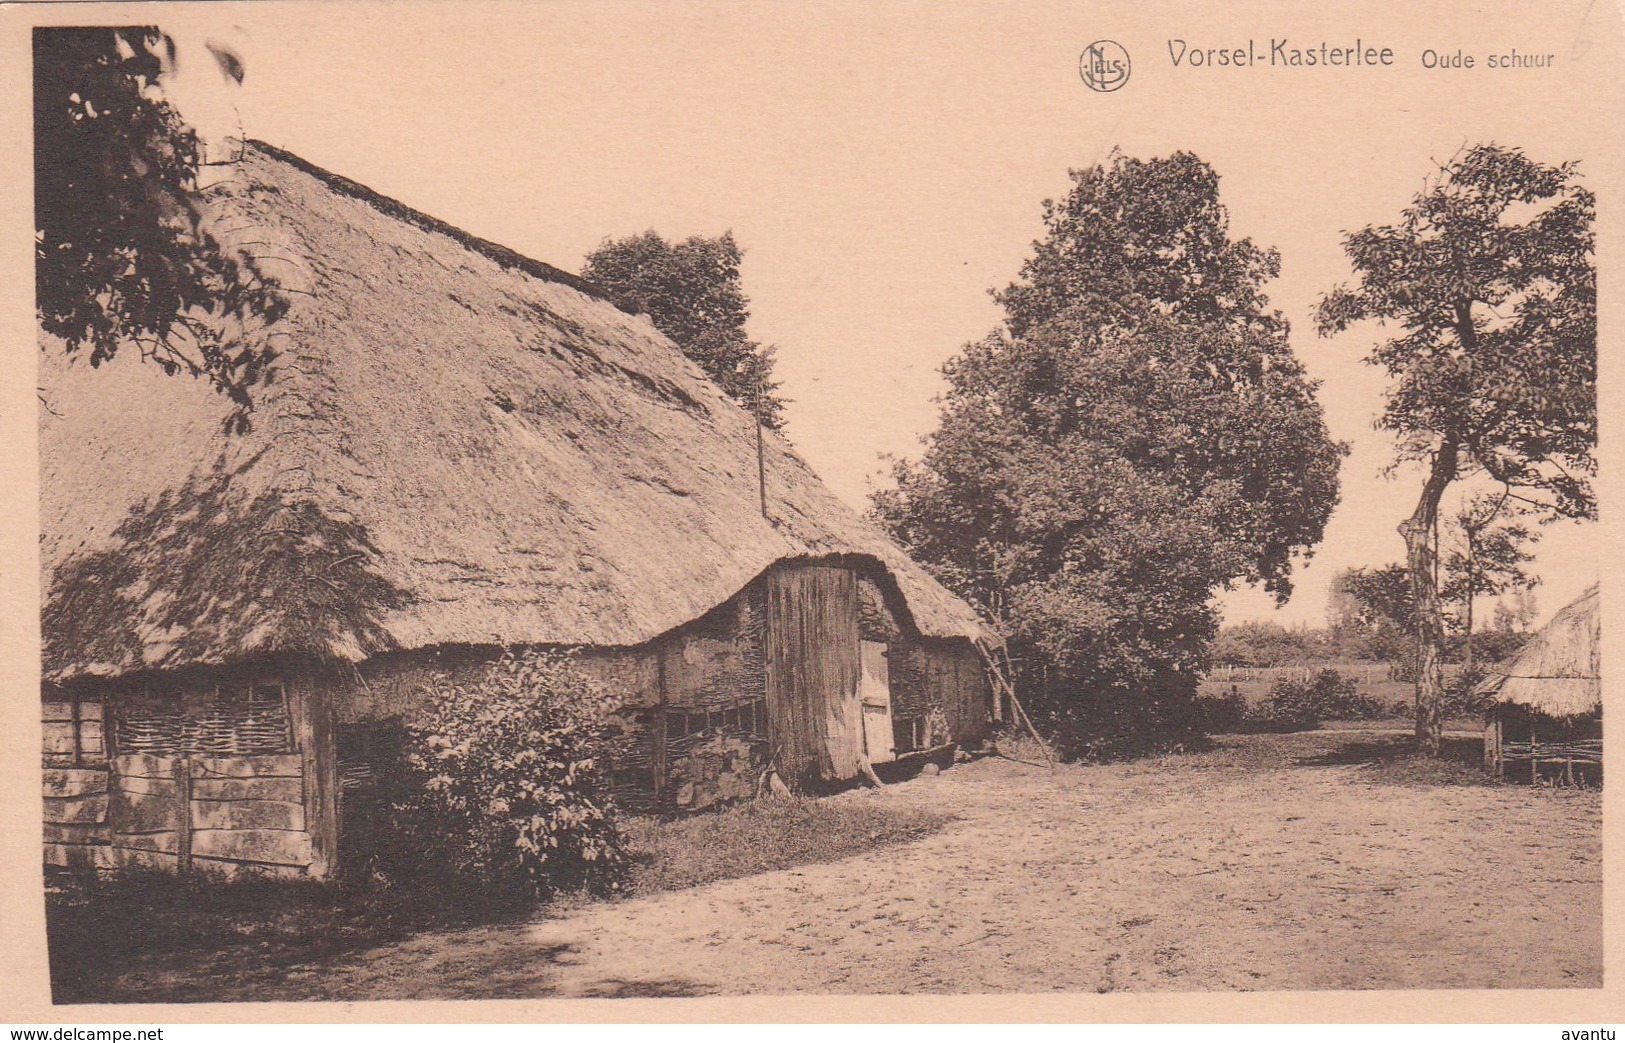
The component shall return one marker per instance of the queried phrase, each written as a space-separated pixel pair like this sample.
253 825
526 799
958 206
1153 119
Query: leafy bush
1268 644
1112 722
1300 704
506 795
1459 700
1221 713
1494 646
1328 696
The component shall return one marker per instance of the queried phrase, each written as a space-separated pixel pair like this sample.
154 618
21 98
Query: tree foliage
1381 595
691 292
1488 282
1138 436
1486 550
1518 616
1379 612
121 253
1257 643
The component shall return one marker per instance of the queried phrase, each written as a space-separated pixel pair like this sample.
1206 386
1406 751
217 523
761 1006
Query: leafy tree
1345 635
1519 616
691 292
1488 279
1138 436
1381 595
121 253
1383 609
1267 644
1488 558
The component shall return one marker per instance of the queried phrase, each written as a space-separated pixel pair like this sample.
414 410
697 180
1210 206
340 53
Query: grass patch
1382 759
1393 760
1022 747
1405 723
762 836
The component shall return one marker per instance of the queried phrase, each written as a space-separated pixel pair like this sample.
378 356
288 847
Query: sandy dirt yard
1268 863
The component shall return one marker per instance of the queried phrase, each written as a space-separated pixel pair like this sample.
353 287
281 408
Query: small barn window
73 731
748 717
908 733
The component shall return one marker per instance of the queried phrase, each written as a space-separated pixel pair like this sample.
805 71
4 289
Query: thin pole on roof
761 452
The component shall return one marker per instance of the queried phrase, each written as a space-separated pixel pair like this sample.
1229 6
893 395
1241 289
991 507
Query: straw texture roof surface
461 446
1559 672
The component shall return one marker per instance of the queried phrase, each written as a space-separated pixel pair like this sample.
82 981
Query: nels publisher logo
1104 66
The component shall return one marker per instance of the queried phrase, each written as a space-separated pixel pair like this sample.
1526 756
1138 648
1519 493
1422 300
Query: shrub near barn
506 790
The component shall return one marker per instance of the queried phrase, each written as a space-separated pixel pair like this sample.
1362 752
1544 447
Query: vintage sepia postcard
967 512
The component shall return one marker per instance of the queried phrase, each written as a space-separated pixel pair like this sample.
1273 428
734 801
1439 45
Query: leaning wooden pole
1000 681
1042 745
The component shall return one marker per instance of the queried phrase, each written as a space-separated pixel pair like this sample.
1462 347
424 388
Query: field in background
1374 679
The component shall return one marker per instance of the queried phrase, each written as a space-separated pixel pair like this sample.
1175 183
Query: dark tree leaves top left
122 253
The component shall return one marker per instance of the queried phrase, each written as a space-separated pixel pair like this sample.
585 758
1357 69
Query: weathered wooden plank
74 782
183 814
278 765
248 814
168 842
75 832
92 807
58 738
271 846
91 740
131 811
968 721
73 856
310 707
265 788
144 766
226 869
145 787
133 857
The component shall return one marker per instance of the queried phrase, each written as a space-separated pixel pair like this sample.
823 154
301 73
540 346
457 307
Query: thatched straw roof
1559 672
462 446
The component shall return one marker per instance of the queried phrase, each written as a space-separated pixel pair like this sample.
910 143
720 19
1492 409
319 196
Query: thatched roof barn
1552 687
462 449
1559 672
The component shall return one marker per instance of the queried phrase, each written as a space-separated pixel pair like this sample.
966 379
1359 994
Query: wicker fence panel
230 721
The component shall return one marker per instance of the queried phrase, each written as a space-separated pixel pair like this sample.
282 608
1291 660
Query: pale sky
883 168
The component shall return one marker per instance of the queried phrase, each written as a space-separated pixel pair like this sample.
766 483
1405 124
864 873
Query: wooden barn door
874 691
813 670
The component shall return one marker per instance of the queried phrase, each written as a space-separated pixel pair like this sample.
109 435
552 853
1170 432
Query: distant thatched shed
1545 704
463 450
